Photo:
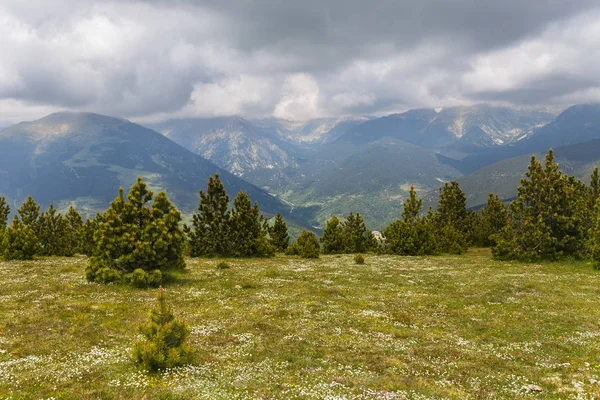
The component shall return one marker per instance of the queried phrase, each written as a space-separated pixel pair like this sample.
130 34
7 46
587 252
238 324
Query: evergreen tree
595 186
53 236
332 239
546 218
4 212
87 243
74 231
166 238
164 345
279 234
19 242
357 238
452 220
493 219
30 214
414 234
411 207
306 246
595 238
210 233
248 229
134 236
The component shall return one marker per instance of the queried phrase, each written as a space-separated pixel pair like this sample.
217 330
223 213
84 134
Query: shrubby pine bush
19 242
350 236
135 236
306 246
164 345
223 265
359 259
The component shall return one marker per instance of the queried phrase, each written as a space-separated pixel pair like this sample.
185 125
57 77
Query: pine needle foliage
548 220
164 345
280 239
333 238
305 246
133 235
19 242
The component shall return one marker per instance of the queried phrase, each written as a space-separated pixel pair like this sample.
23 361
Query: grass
457 327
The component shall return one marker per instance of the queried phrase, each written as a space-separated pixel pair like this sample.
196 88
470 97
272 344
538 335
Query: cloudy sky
149 60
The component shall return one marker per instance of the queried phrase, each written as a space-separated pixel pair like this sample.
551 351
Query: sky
157 59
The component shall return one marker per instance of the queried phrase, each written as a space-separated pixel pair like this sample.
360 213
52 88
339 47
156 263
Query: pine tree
53 236
134 236
411 207
74 231
357 238
210 233
18 242
493 219
452 219
164 345
29 213
413 234
4 213
546 219
595 186
248 229
305 246
165 236
595 238
87 243
332 239
279 234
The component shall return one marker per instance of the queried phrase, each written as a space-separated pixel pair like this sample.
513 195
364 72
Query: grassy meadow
451 327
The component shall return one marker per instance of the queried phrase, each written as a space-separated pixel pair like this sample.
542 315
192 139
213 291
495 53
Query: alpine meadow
318 200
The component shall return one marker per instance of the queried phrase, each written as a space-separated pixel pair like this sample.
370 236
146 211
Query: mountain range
82 159
308 171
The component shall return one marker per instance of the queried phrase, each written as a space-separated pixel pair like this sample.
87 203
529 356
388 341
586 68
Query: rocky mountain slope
83 158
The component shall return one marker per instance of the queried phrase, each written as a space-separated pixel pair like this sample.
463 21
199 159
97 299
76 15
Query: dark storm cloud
293 59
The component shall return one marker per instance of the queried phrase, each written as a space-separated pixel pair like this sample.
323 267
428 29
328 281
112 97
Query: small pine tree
19 242
595 238
87 243
595 186
165 339
411 207
74 231
4 213
493 219
452 219
306 246
414 234
53 235
134 236
209 235
248 229
279 234
332 239
29 213
357 238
